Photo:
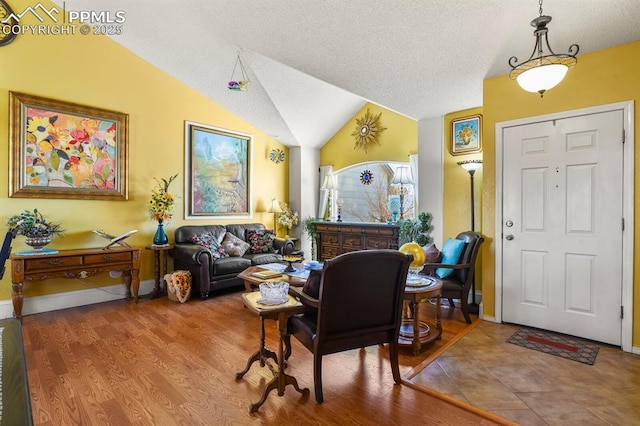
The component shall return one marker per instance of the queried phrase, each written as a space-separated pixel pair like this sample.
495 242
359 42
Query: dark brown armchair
458 284
359 305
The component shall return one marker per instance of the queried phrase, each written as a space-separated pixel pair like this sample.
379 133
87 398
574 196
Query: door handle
509 237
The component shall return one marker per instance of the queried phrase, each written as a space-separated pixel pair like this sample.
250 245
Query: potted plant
37 230
310 230
417 229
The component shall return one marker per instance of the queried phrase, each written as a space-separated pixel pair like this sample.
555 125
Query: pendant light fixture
543 70
238 81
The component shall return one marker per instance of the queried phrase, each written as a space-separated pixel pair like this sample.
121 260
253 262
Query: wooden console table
74 264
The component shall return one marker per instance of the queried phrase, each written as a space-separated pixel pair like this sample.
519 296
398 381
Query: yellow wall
457 204
602 77
396 143
95 71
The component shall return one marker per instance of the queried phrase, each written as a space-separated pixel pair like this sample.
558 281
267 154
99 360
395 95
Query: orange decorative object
414 249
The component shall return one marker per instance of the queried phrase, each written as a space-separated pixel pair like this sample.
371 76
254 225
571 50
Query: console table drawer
52 263
96 259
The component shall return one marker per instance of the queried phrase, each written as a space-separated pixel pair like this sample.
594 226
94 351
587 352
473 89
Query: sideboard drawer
328 252
107 257
51 263
330 238
351 242
378 243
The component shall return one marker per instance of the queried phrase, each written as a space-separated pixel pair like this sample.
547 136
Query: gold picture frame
466 135
61 149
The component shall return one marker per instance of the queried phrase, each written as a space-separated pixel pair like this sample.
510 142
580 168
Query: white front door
562 225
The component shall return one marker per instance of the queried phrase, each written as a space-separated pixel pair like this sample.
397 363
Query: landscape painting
218 169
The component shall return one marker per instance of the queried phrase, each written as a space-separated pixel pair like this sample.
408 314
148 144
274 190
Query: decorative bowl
273 292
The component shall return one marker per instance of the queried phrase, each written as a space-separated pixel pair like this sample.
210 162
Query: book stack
265 275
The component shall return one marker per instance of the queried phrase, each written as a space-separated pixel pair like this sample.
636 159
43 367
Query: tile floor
534 388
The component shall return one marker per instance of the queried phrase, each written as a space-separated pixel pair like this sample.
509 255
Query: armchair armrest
304 298
284 246
185 252
429 268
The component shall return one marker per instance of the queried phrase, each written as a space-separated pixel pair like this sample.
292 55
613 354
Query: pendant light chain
540 2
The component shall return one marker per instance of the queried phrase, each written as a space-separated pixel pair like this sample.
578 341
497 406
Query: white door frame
627 207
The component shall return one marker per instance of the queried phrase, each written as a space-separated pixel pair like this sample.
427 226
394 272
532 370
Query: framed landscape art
64 150
466 134
217 171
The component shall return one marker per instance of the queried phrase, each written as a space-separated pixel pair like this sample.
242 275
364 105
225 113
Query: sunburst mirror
367 130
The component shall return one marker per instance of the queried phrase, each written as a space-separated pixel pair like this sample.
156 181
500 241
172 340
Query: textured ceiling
315 63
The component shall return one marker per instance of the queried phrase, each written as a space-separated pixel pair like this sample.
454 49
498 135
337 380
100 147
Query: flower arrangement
161 202
287 218
33 224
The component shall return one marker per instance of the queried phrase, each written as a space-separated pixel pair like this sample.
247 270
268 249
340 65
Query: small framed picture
466 135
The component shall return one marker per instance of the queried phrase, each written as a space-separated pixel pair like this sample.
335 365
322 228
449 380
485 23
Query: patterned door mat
555 344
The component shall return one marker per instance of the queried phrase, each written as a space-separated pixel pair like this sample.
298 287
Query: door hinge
621 312
624 136
623 224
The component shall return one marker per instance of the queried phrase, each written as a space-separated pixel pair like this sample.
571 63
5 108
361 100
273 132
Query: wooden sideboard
74 264
334 238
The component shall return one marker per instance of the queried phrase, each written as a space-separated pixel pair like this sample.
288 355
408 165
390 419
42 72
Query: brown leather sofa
209 274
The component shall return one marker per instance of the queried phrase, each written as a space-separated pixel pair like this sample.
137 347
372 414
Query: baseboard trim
72 299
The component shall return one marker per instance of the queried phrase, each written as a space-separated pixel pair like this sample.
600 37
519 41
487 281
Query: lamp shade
275 206
470 165
328 183
542 78
403 176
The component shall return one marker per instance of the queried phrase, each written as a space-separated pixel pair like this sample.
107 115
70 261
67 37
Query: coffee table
416 333
251 282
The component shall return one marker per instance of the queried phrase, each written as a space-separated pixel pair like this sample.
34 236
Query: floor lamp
402 177
471 166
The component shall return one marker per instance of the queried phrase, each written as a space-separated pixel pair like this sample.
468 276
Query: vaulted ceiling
314 63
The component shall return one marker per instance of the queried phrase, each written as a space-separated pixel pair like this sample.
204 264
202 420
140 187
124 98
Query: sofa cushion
260 241
211 243
262 258
230 265
234 246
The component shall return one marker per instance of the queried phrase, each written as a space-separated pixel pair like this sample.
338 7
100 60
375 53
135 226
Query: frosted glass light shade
542 78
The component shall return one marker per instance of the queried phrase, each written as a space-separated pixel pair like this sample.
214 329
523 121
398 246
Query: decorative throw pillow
432 254
234 246
211 243
451 252
260 241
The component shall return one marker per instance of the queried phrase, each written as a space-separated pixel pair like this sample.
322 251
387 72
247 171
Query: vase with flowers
287 218
37 230
161 208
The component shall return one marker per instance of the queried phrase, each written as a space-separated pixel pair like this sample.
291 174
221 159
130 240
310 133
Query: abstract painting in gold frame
65 150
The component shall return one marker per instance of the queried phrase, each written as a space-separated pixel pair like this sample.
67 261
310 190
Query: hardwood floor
164 363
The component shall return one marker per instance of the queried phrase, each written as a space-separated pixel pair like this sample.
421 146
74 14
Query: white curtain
413 164
323 195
